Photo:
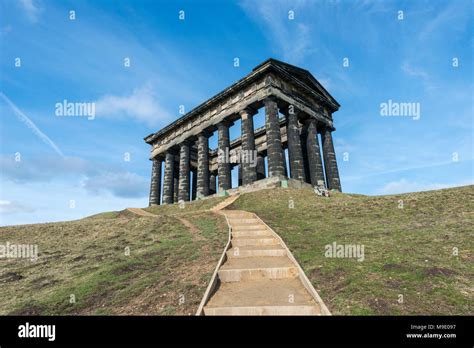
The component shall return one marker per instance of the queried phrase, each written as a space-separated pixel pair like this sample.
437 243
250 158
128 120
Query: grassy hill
408 245
408 250
166 272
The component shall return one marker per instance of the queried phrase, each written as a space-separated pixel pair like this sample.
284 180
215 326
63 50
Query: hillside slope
168 268
409 266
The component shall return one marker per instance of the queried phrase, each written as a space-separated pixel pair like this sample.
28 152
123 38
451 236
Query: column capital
159 157
309 120
205 133
328 128
186 142
247 111
225 123
270 99
172 150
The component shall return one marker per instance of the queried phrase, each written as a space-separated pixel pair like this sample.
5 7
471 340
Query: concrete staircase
258 276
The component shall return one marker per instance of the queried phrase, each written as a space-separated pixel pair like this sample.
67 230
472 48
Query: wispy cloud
120 184
142 105
93 176
31 9
9 207
30 124
455 13
292 37
417 72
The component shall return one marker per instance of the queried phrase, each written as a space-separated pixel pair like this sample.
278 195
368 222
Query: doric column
194 187
330 164
212 184
276 167
203 166
295 152
175 182
260 167
223 165
168 179
249 172
155 186
313 152
183 191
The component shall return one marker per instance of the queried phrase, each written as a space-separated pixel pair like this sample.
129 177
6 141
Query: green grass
408 251
187 207
87 259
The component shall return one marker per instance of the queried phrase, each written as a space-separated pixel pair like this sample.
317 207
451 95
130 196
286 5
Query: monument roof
304 77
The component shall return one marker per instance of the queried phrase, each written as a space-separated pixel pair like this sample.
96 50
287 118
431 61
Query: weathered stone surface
183 191
249 171
276 165
330 164
168 179
203 165
288 83
313 152
175 182
224 171
274 85
155 187
295 152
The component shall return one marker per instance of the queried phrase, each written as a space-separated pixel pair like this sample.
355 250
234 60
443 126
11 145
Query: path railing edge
213 283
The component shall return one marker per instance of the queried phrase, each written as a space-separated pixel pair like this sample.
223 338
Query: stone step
250 233
248 227
263 310
238 214
243 221
258 240
258 262
256 250
240 269
237 275
288 292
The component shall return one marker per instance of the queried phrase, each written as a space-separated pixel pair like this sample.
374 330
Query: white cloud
52 202
416 72
31 8
455 15
120 184
94 177
29 123
404 186
141 105
8 207
292 38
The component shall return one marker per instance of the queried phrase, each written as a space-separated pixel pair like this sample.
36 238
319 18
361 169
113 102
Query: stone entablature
283 90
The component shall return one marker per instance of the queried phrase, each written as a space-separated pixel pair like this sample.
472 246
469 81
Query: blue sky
48 161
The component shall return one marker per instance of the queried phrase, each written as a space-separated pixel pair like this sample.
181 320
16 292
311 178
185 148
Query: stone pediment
300 80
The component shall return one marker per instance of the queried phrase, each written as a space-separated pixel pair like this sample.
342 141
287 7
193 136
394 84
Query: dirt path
193 229
140 212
